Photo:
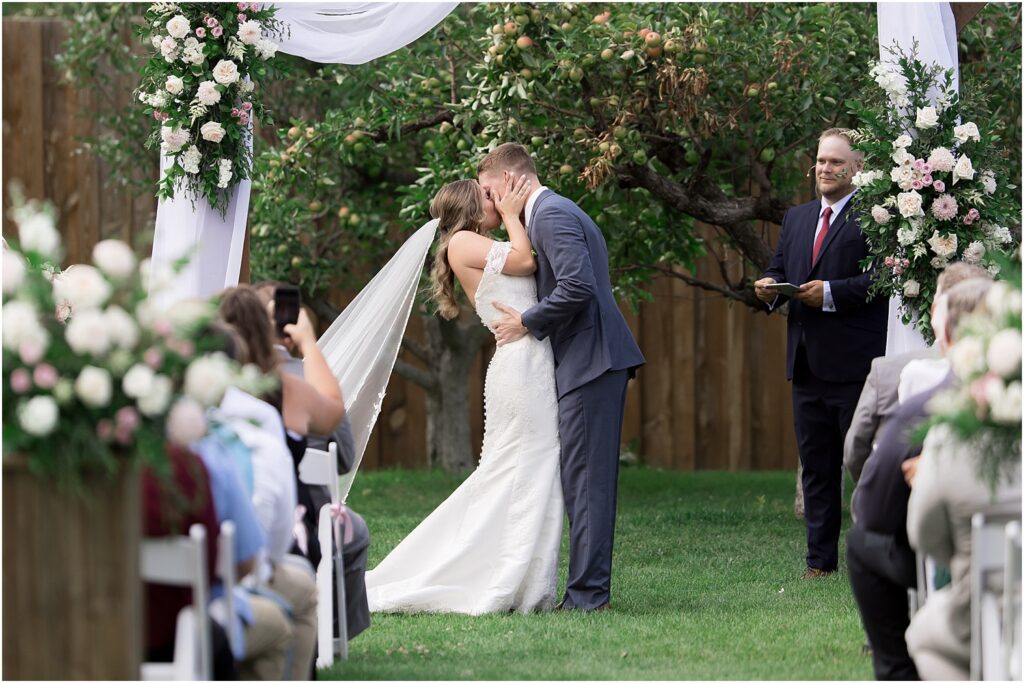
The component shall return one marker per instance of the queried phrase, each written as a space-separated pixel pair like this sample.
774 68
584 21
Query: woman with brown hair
492 546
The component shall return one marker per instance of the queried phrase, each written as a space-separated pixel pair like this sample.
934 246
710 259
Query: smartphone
287 300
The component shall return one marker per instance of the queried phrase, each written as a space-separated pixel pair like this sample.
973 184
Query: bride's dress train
493 545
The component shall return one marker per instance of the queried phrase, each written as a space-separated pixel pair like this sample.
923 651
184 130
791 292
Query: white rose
911 288
87 333
903 158
156 40
38 415
974 252
174 85
124 333
155 402
988 181
169 48
943 246
138 381
880 215
94 386
82 286
178 27
902 176
1004 402
194 55
967 131
1004 352
37 232
14 271
927 117
907 236
186 422
225 72
266 49
187 314
115 258
173 139
207 378
190 159
941 160
207 94
247 86
1002 300
21 326
249 32
967 357
963 169
902 141
212 131
909 204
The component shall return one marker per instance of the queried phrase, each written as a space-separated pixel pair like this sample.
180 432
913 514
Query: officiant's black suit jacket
839 345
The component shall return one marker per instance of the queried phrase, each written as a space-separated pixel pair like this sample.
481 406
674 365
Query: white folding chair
320 468
988 558
223 609
1012 602
181 561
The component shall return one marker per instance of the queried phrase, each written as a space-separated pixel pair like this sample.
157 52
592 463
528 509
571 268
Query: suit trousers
590 429
881 570
822 412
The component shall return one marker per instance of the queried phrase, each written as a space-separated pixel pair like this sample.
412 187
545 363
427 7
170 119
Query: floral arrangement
985 405
92 373
932 189
201 90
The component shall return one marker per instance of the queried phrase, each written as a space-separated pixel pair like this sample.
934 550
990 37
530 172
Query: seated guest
880 561
170 506
878 399
314 497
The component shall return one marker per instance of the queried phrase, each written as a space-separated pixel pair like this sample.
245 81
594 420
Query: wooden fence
712 396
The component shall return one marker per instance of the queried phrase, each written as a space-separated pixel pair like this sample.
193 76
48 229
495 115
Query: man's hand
765 295
909 467
811 293
509 327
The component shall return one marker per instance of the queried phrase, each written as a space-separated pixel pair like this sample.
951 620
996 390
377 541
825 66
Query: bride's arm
510 204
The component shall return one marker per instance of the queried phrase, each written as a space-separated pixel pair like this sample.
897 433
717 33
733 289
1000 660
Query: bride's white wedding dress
493 545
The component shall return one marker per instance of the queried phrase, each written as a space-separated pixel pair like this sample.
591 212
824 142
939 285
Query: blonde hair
958 272
508 157
457 206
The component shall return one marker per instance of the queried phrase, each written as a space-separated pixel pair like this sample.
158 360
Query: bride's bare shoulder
469 249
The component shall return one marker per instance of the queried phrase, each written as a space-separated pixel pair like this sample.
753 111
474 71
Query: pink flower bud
153 357
888 261
123 436
20 381
254 6
906 263
927 180
217 31
104 430
917 184
244 119
241 17
200 32
974 215
30 353
926 167
45 376
246 106
939 186
242 7
919 165
163 327
210 21
127 418
897 270
235 112
156 115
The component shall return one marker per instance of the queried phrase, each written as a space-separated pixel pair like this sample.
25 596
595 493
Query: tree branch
416 349
383 133
744 296
416 375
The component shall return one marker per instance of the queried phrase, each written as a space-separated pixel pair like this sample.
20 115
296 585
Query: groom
595 356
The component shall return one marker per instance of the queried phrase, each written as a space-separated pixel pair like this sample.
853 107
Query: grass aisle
705 586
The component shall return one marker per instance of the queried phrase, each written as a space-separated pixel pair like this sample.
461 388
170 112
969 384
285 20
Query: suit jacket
878 400
839 345
577 309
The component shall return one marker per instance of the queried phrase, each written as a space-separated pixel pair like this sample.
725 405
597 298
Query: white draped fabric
933 26
337 33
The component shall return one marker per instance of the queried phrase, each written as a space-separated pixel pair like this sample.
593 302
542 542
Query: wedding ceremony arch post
330 33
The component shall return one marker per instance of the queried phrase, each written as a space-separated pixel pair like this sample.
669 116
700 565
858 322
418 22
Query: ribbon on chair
299 531
339 512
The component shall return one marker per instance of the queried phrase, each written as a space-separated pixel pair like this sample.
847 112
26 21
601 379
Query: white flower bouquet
92 374
932 191
984 406
200 87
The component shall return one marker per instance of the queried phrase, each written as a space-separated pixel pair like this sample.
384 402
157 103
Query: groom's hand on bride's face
509 327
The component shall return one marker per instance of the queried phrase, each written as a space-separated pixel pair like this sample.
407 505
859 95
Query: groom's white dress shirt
530 202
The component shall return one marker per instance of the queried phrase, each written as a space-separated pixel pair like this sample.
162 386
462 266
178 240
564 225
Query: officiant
833 333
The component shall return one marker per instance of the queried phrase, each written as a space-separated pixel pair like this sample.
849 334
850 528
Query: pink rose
210 21
919 165
217 31
973 213
200 32
242 7
241 17
104 430
182 347
926 167
897 269
235 112
889 261
246 106
45 376
156 115
123 436
939 186
30 352
20 381
153 357
244 119
917 185
254 6
163 327
127 418
927 180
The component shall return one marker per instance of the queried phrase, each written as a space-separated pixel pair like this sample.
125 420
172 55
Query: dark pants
881 570
590 428
822 412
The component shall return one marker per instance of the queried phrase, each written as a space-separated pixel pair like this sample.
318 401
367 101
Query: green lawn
705 586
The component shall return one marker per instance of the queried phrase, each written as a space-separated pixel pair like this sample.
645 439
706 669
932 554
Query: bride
493 545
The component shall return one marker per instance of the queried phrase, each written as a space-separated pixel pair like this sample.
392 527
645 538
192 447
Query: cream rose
963 170
178 27
94 386
37 233
1004 402
909 204
138 381
155 402
212 131
21 325
207 94
38 415
174 85
1004 353
927 118
87 333
82 286
173 139
115 258
911 288
943 246
186 422
225 72
207 378
967 131
967 357
14 271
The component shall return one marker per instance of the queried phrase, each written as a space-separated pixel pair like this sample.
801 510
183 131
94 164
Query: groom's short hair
508 157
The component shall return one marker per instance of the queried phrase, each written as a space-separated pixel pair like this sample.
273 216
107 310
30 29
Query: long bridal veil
362 344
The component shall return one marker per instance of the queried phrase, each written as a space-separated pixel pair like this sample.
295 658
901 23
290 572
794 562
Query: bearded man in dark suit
834 332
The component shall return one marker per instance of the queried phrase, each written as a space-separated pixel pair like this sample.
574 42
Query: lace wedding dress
493 545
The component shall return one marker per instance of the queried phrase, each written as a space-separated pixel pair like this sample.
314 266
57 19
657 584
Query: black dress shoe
603 608
815 573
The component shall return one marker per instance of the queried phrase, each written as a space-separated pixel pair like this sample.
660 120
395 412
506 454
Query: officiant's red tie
821 234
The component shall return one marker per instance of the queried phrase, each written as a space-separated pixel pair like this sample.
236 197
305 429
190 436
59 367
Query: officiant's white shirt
827 304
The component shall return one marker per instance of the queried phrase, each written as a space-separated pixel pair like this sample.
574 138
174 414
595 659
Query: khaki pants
268 639
296 583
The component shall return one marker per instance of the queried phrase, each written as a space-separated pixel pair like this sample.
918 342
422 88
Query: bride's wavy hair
457 206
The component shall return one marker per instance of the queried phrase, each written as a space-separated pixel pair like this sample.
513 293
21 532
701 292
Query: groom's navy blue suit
595 354
828 356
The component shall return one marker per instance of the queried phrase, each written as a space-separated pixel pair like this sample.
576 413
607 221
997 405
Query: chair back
181 561
1012 602
988 557
320 468
228 575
